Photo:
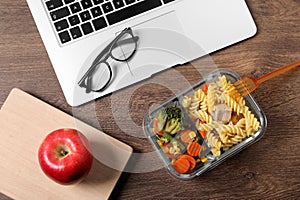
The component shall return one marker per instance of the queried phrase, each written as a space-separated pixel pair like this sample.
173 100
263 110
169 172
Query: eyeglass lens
100 77
124 47
121 50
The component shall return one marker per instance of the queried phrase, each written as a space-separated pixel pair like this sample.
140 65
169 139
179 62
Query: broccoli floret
169 119
173 113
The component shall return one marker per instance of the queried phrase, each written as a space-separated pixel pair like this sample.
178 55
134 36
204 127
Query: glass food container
193 136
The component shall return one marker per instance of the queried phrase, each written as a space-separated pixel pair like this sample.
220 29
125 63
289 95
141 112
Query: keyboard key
85 16
87 28
107 7
60 13
68 1
75 7
96 12
61 25
99 23
129 1
96 2
74 20
86 4
52 4
118 3
64 37
75 32
168 1
131 11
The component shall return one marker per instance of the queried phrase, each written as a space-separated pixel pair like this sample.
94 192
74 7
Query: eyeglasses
99 75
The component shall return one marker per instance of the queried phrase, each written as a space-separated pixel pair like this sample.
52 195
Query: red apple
65 156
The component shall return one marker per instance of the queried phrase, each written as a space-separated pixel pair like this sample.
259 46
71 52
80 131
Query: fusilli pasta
205 108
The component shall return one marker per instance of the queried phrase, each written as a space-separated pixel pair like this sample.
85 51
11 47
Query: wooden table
268 169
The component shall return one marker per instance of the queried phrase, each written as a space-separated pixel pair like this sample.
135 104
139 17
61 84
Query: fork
247 84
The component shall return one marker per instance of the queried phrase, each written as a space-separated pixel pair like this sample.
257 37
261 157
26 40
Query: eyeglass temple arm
109 46
126 41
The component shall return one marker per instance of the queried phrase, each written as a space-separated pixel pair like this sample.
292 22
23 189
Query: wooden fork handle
277 72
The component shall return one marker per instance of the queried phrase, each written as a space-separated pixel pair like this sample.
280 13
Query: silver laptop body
74 32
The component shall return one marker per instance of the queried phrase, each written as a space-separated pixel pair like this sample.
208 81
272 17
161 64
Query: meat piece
221 113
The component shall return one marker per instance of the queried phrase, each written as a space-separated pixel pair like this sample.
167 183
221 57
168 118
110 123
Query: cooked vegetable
171 151
176 129
205 88
168 120
191 160
173 140
182 165
193 149
173 126
203 133
187 136
167 136
173 156
179 148
165 147
160 143
162 119
155 128
180 145
173 113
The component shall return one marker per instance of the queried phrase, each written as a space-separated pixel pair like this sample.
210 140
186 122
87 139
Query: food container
190 144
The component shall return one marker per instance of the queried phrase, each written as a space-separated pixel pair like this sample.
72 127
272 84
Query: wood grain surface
25 121
269 169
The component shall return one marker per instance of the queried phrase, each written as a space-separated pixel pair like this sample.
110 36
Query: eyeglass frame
107 52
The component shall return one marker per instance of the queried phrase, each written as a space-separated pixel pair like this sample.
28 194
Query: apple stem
63 152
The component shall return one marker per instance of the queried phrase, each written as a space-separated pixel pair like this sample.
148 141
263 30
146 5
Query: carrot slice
185 137
191 160
182 166
193 149
205 88
203 133
160 133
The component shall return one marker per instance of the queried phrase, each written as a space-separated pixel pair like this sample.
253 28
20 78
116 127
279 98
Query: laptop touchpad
162 44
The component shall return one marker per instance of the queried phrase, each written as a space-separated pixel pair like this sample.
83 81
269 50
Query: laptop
74 32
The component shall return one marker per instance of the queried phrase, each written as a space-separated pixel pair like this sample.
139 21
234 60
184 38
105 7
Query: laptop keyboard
75 19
